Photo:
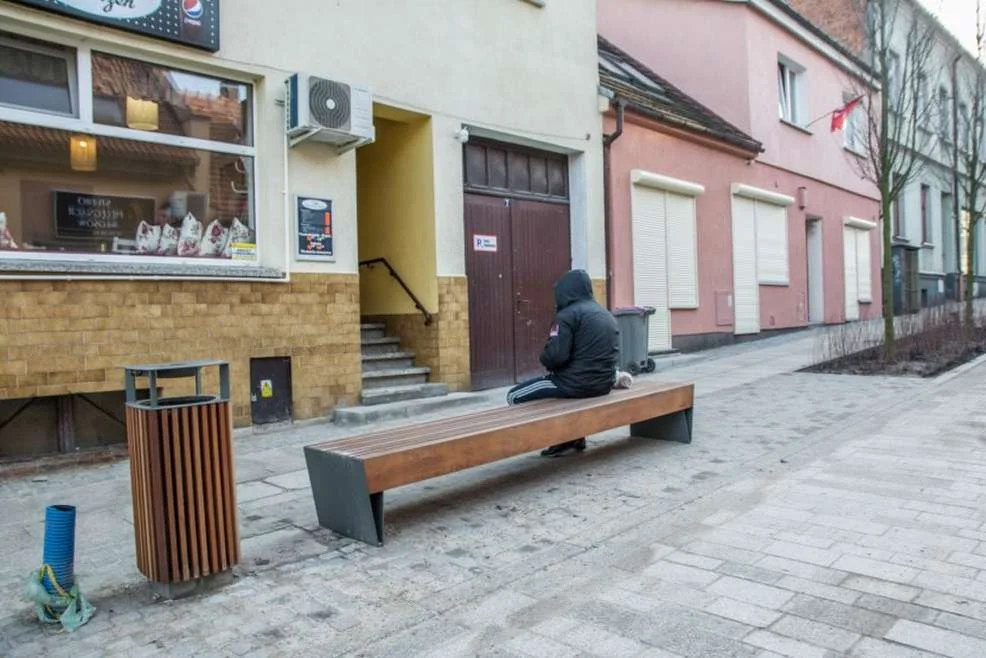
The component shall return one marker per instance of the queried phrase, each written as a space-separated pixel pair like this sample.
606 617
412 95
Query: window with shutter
682 252
650 265
851 278
863 273
746 292
772 259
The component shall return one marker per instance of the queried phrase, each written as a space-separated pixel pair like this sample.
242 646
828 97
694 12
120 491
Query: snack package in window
190 237
148 238
6 239
168 245
214 241
238 232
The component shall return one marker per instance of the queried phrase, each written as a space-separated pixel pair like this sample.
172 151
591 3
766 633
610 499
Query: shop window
163 166
144 96
35 76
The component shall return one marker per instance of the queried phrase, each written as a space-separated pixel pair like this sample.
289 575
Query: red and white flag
839 116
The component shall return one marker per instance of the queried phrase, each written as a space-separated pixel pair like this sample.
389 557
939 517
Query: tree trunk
970 275
889 336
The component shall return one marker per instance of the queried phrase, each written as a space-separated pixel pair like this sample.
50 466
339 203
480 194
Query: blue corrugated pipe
59 547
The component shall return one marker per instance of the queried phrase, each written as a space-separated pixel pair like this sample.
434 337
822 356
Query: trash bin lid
634 310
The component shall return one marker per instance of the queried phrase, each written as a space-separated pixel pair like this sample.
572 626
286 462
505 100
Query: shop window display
162 166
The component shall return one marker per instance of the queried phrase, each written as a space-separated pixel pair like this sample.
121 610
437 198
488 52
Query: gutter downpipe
608 140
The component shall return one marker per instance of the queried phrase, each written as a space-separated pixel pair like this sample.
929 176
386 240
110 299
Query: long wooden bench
349 475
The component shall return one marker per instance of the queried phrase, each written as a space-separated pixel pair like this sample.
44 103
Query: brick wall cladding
62 337
443 345
843 20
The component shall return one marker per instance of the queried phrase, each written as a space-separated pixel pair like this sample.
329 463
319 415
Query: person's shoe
577 445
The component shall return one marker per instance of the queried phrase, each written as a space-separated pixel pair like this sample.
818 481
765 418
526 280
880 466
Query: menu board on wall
190 22
80 216
314 228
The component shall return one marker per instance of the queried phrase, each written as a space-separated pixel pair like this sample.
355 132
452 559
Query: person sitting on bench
580 355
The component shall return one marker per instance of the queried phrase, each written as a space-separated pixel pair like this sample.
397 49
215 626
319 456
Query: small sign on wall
314 217
485 243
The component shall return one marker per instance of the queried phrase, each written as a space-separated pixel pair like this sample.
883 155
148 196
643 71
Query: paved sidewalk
813 515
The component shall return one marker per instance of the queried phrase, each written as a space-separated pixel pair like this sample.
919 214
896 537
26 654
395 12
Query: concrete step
388 361
395 377
373 330
386 395
403 409
383 345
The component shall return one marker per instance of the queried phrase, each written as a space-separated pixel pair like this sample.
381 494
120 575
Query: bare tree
898 111
971 159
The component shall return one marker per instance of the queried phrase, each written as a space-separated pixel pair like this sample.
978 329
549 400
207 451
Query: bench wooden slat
440 457
374 442
349 476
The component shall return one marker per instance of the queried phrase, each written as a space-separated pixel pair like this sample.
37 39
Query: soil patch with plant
928 344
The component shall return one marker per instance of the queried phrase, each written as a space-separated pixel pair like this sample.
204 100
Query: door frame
486 186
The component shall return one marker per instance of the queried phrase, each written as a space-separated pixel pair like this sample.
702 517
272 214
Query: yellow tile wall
64 337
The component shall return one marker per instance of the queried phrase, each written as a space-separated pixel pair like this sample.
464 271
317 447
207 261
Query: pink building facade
760 216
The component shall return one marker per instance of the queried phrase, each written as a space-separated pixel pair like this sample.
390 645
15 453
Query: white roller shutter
864 274
682 252
746 288
850 261
650 271
772 260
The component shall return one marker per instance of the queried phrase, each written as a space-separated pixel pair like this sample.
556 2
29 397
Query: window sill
537 3
776 284
927 245
39 268
865 301
857 152
800 129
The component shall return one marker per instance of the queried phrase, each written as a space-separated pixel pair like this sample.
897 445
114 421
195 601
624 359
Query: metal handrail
393 273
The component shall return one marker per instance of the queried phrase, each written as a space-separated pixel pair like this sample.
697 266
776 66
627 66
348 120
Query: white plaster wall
509 66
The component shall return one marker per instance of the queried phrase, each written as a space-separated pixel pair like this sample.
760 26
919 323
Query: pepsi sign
189 22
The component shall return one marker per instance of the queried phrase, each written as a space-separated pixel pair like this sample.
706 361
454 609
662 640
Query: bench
349 475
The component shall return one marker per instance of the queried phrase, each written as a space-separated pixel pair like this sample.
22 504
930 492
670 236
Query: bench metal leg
342 501
676 427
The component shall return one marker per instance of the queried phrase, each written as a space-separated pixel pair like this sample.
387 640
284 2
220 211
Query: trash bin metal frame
182 477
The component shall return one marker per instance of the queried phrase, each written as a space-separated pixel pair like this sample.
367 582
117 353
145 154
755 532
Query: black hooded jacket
582 348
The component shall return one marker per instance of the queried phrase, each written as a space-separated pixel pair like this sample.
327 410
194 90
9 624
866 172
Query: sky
959 16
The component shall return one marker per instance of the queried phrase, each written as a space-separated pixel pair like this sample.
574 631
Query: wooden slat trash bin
182 479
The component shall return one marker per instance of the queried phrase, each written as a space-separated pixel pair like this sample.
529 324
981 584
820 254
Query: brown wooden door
491 306
540 244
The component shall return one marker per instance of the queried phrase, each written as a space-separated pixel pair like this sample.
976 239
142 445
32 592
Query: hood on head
574 286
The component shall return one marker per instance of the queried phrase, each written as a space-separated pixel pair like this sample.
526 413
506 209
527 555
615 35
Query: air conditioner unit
328 111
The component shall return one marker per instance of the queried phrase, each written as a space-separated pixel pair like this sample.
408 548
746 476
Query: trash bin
634 324
182 477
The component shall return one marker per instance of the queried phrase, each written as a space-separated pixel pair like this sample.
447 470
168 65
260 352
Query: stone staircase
389 373
393 386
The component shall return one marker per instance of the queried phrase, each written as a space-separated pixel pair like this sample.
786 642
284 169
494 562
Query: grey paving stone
881 588
816 633
849 617
801 553
745 590
895 608
870 647
930 638
819 590
724 552
745 613
802 570
785 646
965 587
679 573
964 625
751 572
875 569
